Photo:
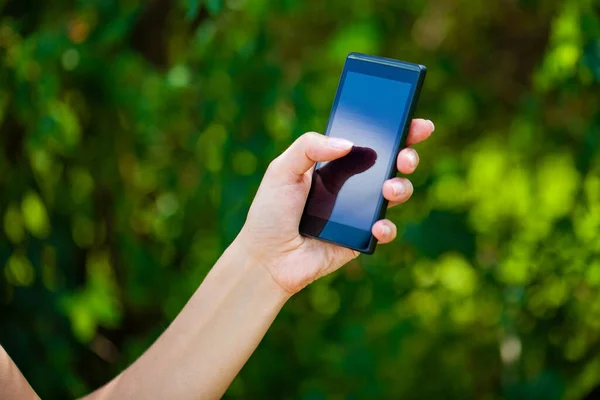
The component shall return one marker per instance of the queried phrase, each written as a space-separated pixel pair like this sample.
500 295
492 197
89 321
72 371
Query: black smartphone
373 108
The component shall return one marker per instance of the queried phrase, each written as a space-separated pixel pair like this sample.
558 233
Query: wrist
254 271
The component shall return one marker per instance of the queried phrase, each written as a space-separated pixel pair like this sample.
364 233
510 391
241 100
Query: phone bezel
414 74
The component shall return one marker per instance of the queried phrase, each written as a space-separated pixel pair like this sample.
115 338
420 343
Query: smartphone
373 108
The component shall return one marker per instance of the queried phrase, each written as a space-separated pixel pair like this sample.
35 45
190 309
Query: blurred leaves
134 135
35 217
97 303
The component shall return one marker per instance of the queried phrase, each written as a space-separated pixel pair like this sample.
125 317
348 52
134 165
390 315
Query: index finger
420 130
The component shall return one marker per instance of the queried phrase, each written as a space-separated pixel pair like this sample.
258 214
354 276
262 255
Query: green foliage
134 135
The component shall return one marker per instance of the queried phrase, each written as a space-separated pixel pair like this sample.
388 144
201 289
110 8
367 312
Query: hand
270 235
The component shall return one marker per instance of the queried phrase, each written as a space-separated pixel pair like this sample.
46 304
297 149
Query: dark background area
134 134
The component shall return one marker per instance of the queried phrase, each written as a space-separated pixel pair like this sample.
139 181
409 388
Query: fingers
407 161
384 231
397 190
420 130
309 149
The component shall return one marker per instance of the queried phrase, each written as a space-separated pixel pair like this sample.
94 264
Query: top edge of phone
387 61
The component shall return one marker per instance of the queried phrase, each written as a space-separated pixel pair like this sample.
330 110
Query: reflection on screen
369 112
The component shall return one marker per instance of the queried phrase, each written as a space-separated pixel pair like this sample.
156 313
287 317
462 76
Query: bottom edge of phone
370 249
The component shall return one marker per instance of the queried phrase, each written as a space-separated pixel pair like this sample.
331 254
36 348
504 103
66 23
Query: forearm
12 383
210 340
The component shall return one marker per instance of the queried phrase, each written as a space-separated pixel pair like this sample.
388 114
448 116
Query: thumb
309 149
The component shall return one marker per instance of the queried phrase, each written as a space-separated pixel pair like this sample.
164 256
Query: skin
213 336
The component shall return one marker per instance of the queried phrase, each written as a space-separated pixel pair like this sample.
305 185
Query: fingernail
339 143
412 157
432 125
385 230
398 188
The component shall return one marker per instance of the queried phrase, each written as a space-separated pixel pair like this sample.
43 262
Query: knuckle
309 138
274 165
311 135
309 142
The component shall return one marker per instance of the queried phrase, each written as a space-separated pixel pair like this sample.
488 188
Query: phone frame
351 237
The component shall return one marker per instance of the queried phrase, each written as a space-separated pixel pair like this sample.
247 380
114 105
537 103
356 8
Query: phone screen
371 112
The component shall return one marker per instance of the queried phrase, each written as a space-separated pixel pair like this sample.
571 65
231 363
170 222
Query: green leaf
35 216
19 271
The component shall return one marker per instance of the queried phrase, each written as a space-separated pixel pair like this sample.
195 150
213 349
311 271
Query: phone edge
422 70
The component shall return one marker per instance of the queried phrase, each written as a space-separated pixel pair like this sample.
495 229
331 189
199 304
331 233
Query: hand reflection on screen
330 178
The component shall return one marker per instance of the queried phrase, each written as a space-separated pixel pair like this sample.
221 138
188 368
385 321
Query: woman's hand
270 235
